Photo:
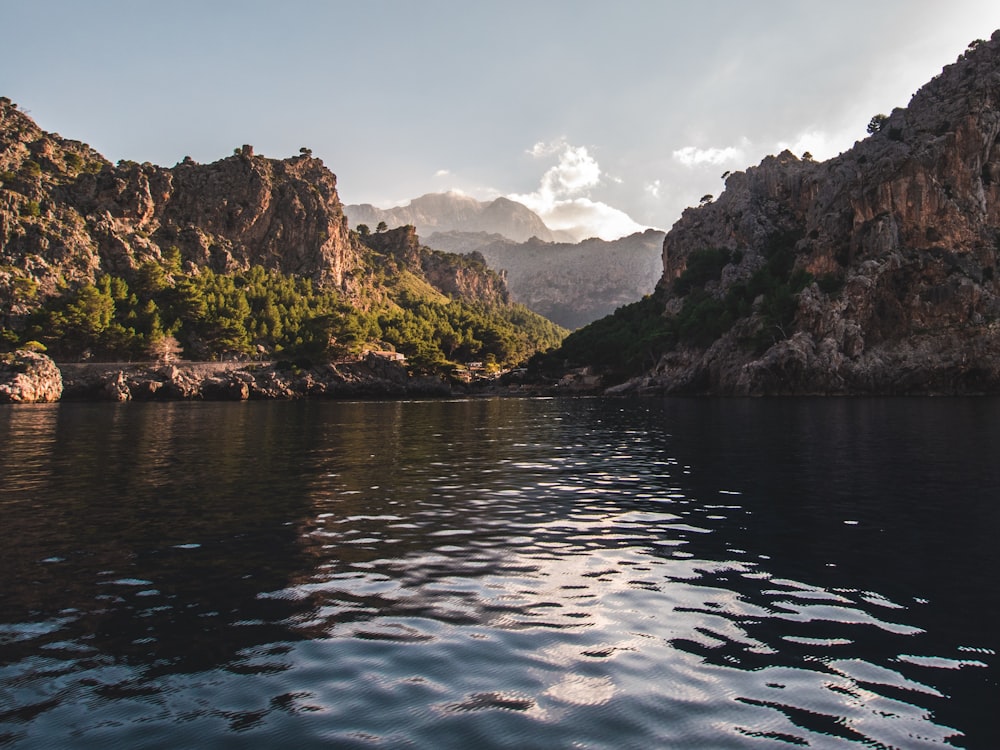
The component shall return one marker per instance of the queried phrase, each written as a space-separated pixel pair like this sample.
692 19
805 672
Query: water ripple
579 573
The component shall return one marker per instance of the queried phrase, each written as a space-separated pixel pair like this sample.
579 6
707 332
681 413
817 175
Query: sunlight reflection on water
513 573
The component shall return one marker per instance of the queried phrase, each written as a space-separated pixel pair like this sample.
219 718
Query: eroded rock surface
28 377
901 236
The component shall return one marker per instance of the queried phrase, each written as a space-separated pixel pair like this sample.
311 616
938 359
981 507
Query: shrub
702 266
876 124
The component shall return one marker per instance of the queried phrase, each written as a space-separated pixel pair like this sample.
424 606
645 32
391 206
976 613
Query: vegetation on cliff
261 312
245 257
635 336
873 272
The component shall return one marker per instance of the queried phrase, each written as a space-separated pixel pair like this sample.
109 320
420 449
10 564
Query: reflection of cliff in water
874 518
763 523
146 531
786 565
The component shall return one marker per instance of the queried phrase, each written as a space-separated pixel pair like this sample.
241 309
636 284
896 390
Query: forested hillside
247 257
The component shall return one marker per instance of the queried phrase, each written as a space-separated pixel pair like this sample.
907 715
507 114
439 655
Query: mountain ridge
570 283
455 211
244 257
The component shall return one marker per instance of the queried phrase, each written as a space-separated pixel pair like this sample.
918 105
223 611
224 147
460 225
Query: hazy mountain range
571 283
452 211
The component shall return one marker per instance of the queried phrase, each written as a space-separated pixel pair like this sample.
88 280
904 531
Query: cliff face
900 237
464 276
66 213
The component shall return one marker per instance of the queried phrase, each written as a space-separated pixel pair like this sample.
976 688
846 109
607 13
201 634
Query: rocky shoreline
29 377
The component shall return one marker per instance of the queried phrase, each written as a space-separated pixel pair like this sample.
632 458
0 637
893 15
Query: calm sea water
501 574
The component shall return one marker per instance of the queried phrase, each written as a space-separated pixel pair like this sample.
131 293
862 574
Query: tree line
162 312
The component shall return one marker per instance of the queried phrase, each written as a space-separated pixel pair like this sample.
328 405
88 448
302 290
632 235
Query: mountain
571 284
445 212
67 213
244 256
873 272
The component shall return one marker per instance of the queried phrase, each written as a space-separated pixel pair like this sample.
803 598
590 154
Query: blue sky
603 117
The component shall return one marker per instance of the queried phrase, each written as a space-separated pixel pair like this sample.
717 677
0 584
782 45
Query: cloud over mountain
563 198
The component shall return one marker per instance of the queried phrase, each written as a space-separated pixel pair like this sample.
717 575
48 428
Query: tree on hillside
164 348
876 124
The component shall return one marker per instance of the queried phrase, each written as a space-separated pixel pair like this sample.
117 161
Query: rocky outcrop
453 275
900 237
570 283
28 377
66 213
446 212
370 377
68 218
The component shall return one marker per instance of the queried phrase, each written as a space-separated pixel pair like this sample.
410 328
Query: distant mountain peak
456 211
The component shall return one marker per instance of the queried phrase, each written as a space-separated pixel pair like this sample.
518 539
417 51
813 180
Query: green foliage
31 208
635 336
702 266
74 162
160 311
622 343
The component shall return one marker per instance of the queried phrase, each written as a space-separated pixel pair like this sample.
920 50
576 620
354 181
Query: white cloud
653 188
692 156
821 145
443 173
563 199
583 218
542 149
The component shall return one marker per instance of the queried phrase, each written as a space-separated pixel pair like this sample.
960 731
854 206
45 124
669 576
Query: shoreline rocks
372 377
29 377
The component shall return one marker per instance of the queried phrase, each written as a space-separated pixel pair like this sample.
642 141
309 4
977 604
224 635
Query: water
501 574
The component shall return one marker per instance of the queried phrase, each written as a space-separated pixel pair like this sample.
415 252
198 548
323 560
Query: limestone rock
902 232
454 276
67 213
28 377
370 377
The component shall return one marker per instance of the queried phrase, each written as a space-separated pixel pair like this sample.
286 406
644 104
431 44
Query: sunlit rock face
67 213
900 235
28 377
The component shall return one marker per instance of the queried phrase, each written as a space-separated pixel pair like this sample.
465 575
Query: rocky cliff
370 377
465 276
66 213
873 272
245 257
28 377
570 283
446 212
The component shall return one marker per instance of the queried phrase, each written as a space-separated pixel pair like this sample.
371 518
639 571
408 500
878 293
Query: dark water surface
501 573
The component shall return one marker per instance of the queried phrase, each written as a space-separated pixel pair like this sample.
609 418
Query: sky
605 118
